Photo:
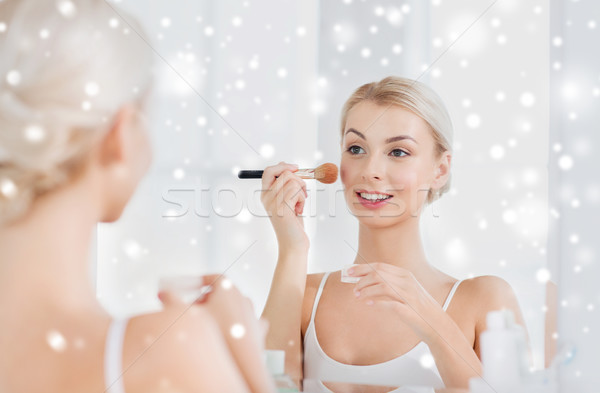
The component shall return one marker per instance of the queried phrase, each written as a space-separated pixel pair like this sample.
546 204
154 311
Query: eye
356 149
398 153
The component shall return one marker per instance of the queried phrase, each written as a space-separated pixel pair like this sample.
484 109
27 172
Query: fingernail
356 293
351 270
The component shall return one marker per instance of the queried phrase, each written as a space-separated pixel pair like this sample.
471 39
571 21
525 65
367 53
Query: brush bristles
326 173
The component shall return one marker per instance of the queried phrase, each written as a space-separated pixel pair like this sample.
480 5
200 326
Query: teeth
374 197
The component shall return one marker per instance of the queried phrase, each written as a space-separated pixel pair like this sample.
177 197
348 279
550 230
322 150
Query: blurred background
244 84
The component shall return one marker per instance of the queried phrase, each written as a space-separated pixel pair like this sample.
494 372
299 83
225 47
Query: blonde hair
415 97
67 69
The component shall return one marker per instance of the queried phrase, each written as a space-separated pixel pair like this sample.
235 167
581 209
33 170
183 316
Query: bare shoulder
180 348
310 292
490 293
313 281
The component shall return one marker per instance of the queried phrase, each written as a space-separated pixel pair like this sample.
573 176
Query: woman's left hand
393 287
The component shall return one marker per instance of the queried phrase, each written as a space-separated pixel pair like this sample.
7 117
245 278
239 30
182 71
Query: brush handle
250 174
257 174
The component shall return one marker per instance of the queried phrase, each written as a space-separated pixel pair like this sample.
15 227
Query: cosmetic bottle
500 358
521 341
275 360
505 361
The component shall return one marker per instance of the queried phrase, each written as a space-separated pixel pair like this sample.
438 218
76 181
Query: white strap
113 357
451 294
316 302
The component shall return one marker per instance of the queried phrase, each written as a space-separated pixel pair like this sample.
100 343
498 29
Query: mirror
243 85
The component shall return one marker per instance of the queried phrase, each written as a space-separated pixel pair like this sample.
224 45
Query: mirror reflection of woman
74 78
405 321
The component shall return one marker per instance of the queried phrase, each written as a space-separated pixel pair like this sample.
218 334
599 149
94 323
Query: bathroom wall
573 163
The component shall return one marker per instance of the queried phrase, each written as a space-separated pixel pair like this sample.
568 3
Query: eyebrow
399 138
360 134
389 140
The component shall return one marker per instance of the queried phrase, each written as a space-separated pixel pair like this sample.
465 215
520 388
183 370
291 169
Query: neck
398 245
44 256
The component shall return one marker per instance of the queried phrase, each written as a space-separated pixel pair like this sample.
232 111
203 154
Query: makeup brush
325 173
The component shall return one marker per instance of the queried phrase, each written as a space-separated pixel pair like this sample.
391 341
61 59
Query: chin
113 215
110 219
377 221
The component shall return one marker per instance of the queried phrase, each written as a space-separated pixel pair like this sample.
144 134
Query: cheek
145 150
351 172
404 180
149 154
345 171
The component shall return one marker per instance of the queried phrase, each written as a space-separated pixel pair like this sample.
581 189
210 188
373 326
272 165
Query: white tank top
113 355
403 370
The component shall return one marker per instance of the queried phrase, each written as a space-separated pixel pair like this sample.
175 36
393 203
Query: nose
373 169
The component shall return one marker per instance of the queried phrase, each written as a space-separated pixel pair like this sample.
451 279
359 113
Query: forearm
249 359
454 356
283 309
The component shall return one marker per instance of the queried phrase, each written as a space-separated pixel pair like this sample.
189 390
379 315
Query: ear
442 171
113 147
114 164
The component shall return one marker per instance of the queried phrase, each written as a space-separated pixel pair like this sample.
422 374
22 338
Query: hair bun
49 118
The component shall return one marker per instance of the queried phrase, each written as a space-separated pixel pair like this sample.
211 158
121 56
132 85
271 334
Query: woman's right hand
283 196
243 333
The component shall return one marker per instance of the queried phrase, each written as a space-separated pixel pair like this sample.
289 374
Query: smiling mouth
373 196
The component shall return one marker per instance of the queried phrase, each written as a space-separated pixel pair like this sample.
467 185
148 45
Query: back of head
416 97
66 69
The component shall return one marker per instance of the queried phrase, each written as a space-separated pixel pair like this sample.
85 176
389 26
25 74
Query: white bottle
501 356
522 349
275 360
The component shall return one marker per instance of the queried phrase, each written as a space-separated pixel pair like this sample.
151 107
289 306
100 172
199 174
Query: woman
403 312
73 147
